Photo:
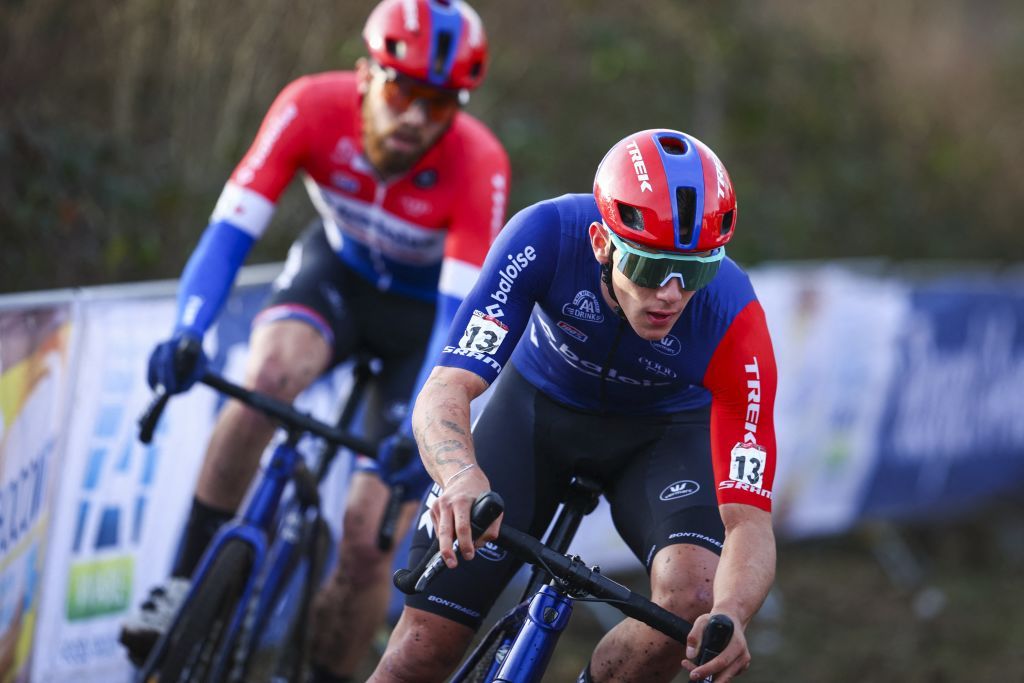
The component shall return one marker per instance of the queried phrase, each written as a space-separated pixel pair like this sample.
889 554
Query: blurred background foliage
875 128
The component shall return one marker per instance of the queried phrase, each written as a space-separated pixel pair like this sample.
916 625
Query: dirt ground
913 603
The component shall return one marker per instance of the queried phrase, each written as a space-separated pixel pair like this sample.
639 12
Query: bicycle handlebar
574 577
577 577
284 413
486 509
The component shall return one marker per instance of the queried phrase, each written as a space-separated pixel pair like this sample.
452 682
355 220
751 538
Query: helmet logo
411 16
720 173
639 167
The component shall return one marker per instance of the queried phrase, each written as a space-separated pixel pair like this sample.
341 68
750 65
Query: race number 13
483 334
747 464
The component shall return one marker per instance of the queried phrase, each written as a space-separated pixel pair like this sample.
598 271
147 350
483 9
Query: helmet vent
672 145
631 217
395 48
686 209
727 223
444 47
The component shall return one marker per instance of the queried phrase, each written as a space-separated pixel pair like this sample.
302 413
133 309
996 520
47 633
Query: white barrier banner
121 501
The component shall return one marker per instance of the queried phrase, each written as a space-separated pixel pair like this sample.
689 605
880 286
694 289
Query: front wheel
201 630
278 645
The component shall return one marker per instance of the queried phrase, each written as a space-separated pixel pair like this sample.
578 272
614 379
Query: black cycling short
316 286
655 470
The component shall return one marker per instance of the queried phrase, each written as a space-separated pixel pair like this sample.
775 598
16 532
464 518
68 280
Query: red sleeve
279 147
479 212
742 379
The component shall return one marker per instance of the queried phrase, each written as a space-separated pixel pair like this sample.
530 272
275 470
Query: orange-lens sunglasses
400 92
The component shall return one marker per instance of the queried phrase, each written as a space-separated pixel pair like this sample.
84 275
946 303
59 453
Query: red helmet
666 190
441 42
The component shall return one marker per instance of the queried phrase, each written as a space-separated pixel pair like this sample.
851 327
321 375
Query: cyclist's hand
178 363
451 516
399 464
733 661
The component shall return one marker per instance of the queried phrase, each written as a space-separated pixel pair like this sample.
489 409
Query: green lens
655 272
653 269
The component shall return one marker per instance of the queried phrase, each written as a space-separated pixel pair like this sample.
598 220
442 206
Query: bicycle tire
478 674
288 658
198 634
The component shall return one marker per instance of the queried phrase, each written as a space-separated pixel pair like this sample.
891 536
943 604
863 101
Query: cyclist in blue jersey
631 350
410 192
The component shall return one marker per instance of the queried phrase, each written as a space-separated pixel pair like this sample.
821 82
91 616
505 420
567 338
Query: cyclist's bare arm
441 425
744 576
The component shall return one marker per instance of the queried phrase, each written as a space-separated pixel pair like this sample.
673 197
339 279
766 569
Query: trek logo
753 413
410 16
639 167
669 345
720 174
584 307
656 367
571 331
507 277
679 489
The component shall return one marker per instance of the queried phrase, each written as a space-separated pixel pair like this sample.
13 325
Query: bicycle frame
531 630
273 553
532 620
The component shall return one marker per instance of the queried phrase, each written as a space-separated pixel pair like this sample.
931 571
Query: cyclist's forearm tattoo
454 427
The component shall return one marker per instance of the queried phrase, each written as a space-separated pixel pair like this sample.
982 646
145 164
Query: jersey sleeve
742 379
478 214
278 151
517 272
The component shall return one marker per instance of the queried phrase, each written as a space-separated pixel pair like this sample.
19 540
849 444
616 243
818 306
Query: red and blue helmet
667 191
440 42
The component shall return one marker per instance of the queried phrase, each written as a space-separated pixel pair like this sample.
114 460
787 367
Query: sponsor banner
34 386
952 433
123 503
834 335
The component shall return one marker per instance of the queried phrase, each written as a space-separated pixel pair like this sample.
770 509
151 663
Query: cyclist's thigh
667 496
395 329
504 439
314 288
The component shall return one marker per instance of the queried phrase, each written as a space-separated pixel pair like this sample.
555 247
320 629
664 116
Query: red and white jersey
423 232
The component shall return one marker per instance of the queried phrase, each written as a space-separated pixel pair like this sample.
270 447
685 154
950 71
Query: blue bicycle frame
272 558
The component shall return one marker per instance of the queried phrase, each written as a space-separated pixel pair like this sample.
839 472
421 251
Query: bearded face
401 120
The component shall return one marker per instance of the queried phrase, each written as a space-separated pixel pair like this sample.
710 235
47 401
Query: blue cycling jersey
542 281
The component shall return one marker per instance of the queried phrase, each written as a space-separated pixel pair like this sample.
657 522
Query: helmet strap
606 278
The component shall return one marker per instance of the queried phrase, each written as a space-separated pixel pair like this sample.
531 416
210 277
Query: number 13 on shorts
747 464
483 334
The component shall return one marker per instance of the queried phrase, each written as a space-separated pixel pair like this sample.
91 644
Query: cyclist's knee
688 601
285 359
424 647
682 578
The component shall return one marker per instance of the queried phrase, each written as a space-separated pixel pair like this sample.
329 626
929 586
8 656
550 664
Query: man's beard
389 162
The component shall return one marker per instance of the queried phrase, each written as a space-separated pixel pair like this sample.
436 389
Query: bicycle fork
546 618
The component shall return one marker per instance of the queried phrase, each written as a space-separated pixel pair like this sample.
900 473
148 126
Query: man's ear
363 75
600 242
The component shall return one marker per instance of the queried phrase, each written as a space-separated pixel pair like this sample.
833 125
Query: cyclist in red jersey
632 351
410 191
